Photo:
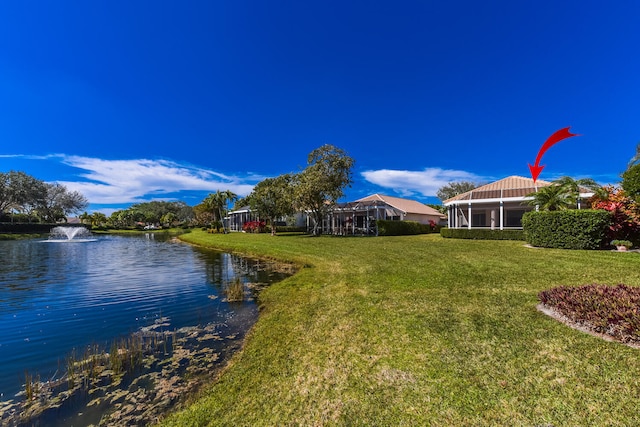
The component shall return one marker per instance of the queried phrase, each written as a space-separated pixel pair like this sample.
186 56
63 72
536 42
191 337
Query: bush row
290 229
482 234
567 229
611 310
402 228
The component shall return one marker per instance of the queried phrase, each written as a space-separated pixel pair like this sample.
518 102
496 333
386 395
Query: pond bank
420 330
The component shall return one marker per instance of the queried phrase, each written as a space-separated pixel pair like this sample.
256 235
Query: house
359 217
236 219
498 205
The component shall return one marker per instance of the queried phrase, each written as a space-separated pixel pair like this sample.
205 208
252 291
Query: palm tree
98 219
217 203
577 185
85 218
636 158
555 197
563 193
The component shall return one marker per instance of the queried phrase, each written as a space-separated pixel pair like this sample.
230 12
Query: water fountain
70 234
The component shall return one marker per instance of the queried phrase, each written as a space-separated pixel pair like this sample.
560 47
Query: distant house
237 218
359 217
499 205
356 217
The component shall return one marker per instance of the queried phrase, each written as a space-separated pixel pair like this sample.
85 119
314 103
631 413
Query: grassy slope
421 330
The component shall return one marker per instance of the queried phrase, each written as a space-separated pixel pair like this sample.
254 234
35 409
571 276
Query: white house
498 205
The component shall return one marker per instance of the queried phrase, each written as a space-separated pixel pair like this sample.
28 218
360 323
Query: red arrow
553 139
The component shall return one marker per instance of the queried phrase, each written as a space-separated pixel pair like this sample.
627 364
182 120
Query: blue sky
156 100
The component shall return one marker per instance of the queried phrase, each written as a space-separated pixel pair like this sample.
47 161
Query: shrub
611 310
254 226
625 223
290 229
402 228
482 234
567 229
626 243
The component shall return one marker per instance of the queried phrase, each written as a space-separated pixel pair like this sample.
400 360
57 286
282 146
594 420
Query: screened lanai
499 205
359 218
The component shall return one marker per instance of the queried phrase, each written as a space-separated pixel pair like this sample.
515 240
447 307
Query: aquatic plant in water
235 290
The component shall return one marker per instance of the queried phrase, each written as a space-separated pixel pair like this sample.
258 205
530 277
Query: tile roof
512 186
405 205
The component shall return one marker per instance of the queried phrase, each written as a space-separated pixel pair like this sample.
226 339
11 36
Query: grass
420 330
234 290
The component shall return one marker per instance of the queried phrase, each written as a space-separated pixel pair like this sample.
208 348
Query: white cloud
425 182
132 181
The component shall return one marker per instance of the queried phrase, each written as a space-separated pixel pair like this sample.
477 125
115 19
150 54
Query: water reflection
56 297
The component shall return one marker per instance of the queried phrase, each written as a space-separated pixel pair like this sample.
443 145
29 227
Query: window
514 218
479 219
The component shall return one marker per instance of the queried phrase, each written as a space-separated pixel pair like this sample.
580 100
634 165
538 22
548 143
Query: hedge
567 229
482 234
402 228
26 228
290 229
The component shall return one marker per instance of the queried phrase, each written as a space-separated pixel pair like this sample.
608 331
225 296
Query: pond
63 303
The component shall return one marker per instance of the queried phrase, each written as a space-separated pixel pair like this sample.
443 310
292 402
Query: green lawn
420 330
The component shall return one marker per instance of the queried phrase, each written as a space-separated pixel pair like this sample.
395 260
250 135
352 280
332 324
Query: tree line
315 189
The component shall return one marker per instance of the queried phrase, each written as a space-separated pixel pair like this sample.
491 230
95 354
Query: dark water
55 297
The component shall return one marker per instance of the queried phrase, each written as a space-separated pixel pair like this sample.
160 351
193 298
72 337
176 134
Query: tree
452 189
203 215
85 218
218 204
119 219
20 191
98 219
272 198
184 212
58 203
440 208
563 193
636 158
554 197
168 219
631 181
241 202
576 186
319 186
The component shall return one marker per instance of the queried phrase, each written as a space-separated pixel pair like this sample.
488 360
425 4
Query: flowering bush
625 212
254 226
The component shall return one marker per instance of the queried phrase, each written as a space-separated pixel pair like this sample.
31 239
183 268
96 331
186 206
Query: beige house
498 205
359 217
